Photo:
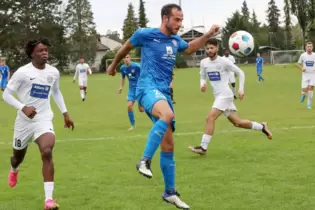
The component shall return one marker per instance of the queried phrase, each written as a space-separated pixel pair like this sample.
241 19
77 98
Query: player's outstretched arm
59 100
203 78
76 72
122 52
240 75
198 43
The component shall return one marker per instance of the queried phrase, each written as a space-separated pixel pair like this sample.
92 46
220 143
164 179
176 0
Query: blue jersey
158 57
4 70
132 72
259 62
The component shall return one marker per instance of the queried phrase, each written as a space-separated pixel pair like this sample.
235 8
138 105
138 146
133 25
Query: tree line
69 27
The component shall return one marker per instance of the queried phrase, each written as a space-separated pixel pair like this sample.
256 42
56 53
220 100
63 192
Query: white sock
205 141
82 94
257 126
15 170
49 188
309 97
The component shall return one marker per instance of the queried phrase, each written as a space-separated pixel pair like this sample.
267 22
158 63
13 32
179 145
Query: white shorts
83 83
232 77
226 105
24 131
308 79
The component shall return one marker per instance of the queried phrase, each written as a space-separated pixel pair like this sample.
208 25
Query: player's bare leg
16 159
46 144
206 138
85 91
131 115
309 96
167 165
140 108
164 113
247 124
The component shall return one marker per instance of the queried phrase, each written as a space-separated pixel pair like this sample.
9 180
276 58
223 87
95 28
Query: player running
306 64
159 50
132 71
218 69
82 70
5 74
226 54
259 67
33 84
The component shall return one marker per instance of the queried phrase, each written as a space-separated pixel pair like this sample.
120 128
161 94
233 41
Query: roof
102 47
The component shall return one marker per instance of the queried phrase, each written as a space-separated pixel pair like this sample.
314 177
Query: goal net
282 57
109 61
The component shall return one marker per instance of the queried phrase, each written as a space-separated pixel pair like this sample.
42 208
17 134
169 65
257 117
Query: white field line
175 134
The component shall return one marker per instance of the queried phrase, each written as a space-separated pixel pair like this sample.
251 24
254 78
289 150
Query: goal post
109 61
283 57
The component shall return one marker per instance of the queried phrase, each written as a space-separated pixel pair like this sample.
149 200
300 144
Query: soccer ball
241 43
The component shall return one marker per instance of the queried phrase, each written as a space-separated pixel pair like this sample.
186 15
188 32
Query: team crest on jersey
49 79
174 42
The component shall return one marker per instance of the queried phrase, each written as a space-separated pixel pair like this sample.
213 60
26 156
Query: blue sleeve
137 38
182 45
8 69
122 72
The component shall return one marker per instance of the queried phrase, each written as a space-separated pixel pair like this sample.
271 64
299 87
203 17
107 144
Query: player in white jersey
33 84
82 70
306 64
218 69
226 54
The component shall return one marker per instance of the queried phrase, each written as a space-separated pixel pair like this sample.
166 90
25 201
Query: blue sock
131 118
167 165
155 138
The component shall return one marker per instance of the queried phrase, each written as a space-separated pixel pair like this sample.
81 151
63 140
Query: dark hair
167 9
226 49
309 42
30 45
212 42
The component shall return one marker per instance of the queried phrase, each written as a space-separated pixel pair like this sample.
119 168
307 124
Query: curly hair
30 45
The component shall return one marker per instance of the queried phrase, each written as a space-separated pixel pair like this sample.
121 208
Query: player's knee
167 115
141 109
129 106
47 153
210 118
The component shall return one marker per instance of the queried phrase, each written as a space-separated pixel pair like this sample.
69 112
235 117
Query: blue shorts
131 95
3 83
259 71
147 99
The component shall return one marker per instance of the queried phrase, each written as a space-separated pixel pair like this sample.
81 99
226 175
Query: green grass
95 164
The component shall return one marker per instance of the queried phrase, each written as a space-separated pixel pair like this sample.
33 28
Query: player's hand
241 95
119 90
214 30
111 70
204 88
29 111
68 121
303 69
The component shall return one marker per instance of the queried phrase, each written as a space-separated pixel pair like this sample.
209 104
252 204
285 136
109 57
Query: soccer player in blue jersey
131 70
259 67
5 74
159 47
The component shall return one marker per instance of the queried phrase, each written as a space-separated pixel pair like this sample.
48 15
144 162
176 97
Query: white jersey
33 87
81 70
231 58
218 72
308 62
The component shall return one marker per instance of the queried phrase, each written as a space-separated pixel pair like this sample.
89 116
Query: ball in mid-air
241 43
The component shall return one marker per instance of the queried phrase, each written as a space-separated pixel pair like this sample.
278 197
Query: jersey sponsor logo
214 75
169 53
82 70
309 63
40 91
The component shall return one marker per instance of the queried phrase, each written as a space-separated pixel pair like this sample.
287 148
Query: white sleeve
15 81
233 59
88 68
301 59
203 75
57 95
11 100
76 73
240 74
